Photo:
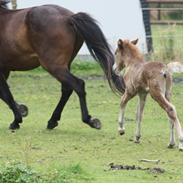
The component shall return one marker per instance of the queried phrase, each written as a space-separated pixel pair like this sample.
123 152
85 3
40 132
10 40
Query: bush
18 173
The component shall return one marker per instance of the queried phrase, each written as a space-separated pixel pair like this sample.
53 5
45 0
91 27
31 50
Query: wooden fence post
14 4
147 25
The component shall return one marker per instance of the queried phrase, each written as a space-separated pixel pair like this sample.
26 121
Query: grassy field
167 43
74 152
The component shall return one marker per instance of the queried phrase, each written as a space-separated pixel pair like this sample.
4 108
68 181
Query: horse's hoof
121 131
171 146
137 140
180 147
95 123
14 126
23 109
51 125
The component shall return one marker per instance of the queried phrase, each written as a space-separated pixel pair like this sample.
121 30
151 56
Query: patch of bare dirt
154 170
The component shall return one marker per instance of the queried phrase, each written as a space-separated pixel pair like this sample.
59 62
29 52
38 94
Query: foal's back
158 79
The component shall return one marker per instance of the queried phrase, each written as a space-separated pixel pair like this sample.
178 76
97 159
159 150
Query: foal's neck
134 60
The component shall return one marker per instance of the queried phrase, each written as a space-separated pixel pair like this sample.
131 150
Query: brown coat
140 79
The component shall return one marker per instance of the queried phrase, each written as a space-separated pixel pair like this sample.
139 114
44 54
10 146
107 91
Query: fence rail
164 1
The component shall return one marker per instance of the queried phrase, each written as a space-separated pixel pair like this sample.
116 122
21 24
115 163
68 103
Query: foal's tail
87 28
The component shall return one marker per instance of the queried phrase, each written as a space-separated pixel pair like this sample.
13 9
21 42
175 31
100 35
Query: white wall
117 18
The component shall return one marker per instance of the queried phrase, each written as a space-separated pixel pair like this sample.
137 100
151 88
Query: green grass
79 67
167 43
74 152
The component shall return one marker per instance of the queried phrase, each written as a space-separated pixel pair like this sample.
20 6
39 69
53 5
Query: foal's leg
172 135
139 115
78 85
7 97
171 112
66 93
124 100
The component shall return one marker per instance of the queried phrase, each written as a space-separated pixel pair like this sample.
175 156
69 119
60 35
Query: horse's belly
22 63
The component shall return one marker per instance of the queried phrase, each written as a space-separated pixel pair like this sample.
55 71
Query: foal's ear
135 41
120 44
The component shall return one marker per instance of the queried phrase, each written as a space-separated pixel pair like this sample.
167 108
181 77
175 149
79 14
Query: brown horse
142 78
51 36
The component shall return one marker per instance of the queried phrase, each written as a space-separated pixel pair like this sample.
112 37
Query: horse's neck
133 61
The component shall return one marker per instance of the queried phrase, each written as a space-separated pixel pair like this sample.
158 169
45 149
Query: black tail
3 3
87 28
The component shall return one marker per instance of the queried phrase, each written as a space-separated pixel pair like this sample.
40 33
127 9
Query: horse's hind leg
78 85
7 97
171 112
66 93
168 97
23 109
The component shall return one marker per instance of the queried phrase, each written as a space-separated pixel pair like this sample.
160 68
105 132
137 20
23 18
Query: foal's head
127 52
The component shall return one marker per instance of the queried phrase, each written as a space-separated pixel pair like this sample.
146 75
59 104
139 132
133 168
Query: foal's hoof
171 146
23 109
14 126
137 140
95 123
180 147
52 125
121 131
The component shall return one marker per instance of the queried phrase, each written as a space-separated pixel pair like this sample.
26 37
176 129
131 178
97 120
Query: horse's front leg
23 109
66 93
139 115
124 100
7 97
79 87
70 83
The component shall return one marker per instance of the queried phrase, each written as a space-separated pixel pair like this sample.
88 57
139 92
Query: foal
142 78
